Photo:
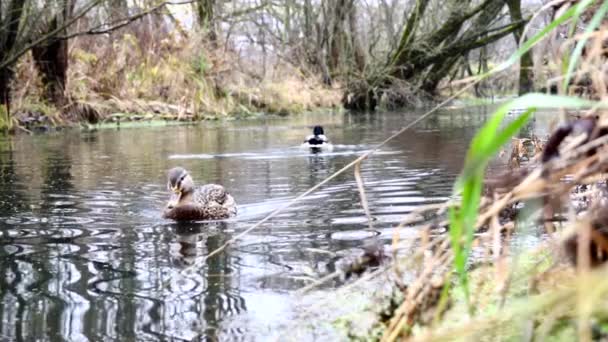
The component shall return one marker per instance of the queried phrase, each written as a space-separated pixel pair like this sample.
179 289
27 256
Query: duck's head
318 130
180 183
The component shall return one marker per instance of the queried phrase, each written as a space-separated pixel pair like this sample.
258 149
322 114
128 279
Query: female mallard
317 141
188 203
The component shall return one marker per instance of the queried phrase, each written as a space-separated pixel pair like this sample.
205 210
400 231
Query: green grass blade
576 54
577 15
566 57
486 143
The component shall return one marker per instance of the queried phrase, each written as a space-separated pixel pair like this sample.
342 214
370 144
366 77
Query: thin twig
122 22
364 202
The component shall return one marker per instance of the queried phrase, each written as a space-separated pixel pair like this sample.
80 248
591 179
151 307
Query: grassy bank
176 78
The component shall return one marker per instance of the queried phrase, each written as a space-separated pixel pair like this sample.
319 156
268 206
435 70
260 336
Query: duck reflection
319 166
221 297
187 250
188 235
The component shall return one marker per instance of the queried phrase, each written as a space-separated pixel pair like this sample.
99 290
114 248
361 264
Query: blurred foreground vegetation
473 279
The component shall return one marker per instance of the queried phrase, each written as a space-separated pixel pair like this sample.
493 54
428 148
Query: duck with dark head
191 203
317 141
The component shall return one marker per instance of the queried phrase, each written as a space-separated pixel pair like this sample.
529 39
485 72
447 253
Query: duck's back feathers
211 193
216 201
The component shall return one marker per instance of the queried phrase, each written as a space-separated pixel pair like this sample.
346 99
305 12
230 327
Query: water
84 254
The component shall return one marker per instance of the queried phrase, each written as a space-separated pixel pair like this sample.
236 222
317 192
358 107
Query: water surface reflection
85 255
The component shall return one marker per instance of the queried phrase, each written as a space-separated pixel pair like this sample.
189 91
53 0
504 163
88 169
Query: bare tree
43 27
424 57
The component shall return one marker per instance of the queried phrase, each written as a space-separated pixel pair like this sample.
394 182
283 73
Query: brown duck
189 203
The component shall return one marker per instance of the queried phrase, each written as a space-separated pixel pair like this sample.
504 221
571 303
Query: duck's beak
176 195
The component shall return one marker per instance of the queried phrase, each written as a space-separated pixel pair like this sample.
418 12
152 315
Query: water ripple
86 254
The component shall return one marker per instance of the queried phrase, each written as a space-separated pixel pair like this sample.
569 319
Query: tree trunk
206 18
526 63
322 43
51 59
409 31
411 57
488 11
336 35
8 38
358 53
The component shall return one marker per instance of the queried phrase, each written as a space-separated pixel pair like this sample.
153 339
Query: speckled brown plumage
207 202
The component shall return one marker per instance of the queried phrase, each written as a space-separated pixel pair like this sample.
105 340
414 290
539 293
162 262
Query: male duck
188 203
317 141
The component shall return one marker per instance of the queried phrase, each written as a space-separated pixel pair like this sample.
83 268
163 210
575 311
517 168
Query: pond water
85 255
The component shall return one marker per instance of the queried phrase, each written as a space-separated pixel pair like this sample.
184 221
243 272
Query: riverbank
133 114
174 80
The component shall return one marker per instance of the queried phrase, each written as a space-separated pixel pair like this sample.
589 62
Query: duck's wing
216 200
323 137
210 194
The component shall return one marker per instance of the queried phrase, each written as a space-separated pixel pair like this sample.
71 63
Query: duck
191 203
317 141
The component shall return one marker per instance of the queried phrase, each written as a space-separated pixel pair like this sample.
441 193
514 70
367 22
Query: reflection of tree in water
12 302
221 298
363 118
57 183
32 273
57 178
12 200
12 190
220 273
528 129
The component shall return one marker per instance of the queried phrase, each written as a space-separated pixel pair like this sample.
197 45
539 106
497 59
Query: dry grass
172 77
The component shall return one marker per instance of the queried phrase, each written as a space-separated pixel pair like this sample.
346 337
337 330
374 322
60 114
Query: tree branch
409 30
245 11
120 23
472 43
454 23
15 56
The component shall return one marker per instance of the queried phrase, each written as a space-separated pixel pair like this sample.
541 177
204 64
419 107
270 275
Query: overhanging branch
120 23
472 43
100 29
15 56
